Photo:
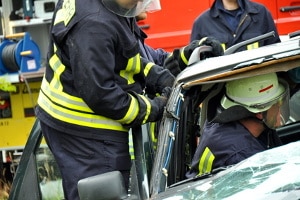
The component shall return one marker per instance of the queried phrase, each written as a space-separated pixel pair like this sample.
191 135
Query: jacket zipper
241 22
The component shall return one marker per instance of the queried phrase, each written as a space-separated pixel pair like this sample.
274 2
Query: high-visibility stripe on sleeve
206 161
148 108
132 111
223 46
148 68
183 58
254 45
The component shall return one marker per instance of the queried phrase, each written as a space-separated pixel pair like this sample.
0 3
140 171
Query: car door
37 175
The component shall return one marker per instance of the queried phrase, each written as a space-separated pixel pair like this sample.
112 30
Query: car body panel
265 175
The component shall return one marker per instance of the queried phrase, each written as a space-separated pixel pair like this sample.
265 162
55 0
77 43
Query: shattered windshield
272 174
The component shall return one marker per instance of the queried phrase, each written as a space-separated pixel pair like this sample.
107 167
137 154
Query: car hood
272 174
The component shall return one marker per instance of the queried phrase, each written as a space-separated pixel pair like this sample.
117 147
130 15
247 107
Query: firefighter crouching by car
245 123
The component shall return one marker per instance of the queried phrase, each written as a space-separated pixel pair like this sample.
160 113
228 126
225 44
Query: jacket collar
244 4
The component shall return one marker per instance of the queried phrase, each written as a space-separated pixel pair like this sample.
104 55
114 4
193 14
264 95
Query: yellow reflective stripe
223 46
148 68
59 17
58 68
148 108
152 133
254 45
133 67
132 111
202 40
78 112
206 161
69 8
54 91
78 104
131 147
183 58
64 99
74 117
66 13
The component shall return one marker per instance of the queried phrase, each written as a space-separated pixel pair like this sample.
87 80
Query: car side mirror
107 186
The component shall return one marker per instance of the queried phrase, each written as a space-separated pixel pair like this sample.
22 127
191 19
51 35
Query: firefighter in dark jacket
92 90
232 22
251 109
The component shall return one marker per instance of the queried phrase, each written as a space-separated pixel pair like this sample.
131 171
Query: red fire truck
171 26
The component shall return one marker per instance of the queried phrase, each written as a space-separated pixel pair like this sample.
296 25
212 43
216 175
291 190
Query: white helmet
258 94
127 8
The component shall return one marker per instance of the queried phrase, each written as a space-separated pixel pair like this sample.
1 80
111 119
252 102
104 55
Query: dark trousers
79 158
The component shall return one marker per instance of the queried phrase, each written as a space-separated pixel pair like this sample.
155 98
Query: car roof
262 60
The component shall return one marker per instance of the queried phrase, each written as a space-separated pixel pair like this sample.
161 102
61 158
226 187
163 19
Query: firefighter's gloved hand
217 49
158 105
178 60
166 92
150 110
164 82
172 64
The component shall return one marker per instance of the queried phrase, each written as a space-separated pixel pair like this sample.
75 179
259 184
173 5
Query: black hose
8 58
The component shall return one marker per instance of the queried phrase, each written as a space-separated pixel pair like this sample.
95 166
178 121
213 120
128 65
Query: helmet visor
278 113
153 6
126 8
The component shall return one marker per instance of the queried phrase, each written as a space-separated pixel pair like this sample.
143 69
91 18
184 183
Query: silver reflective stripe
58 68
65 99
